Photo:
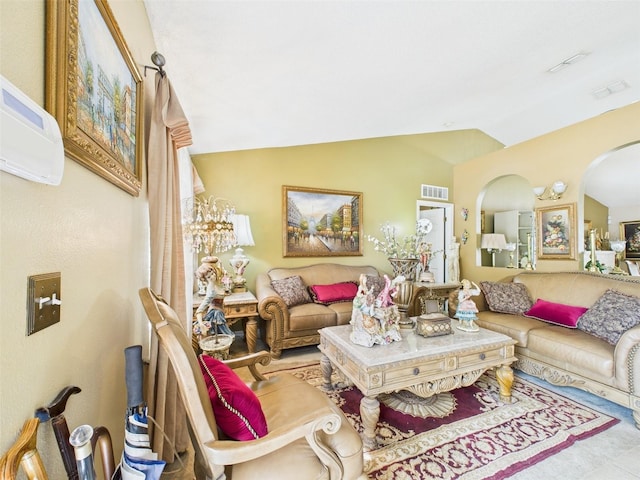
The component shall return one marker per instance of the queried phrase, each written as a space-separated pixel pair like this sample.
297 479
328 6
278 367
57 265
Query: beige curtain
169 131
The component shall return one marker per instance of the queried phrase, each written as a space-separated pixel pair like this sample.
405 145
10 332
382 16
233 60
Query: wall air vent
433 191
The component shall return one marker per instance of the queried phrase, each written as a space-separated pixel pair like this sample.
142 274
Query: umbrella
138 460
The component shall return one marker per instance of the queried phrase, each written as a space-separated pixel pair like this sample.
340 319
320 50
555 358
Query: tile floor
612 454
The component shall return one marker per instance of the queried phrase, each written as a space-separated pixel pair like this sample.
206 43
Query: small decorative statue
467 309
210 318
374 317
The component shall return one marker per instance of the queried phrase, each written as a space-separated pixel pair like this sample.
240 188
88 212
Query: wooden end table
243 306
423 366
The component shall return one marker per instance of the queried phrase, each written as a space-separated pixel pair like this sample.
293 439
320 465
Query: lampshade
242 229
493 241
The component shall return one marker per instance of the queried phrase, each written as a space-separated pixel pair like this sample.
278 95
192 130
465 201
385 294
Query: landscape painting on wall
94 90
321 223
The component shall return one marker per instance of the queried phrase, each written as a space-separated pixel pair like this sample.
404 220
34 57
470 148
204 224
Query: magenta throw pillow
556 313
237 409
334 293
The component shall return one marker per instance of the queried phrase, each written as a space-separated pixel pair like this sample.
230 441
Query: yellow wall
597 214
388 171
92 232
561 155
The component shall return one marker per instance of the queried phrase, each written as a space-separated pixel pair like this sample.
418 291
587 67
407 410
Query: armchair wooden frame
315 420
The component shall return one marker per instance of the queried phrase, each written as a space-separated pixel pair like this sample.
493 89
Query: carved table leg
251 333
504 375
370 413
327 370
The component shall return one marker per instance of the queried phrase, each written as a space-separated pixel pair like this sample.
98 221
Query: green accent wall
387 171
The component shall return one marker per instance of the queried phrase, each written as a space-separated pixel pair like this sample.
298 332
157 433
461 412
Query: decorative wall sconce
492 243
555 191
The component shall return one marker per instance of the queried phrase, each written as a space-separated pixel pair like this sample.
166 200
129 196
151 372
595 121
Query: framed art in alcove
630 233
556 232
94 90
321 223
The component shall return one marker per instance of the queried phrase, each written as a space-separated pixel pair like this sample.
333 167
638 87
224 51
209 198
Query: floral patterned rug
474 437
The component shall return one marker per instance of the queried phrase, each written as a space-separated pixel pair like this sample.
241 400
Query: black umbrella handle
133 375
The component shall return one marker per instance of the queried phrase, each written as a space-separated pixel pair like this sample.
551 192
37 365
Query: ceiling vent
433 191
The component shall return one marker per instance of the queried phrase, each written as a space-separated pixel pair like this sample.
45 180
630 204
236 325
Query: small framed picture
630 233
555 232
321 223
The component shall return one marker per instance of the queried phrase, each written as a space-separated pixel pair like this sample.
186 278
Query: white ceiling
255 74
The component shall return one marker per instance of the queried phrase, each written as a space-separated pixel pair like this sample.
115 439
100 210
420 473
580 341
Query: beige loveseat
296 326
569 356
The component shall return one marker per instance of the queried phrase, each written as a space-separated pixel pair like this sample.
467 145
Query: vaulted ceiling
255 74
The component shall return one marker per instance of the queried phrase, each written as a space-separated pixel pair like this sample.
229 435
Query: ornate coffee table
423 366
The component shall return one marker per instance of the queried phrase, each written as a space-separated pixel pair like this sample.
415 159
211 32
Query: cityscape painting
94 90
321 223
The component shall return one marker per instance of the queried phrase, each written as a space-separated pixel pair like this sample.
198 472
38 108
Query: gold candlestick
592 245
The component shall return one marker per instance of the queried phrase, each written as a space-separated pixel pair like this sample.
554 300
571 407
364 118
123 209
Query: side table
425 293
243 305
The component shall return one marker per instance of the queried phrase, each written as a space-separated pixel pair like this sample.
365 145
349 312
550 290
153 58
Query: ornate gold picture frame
556 232
321 223
630 233
94 90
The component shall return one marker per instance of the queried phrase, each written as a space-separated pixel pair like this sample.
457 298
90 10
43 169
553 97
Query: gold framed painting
94 90
630 233
556 232
321 223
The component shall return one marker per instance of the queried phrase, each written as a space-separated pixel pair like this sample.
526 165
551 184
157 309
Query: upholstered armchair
308 436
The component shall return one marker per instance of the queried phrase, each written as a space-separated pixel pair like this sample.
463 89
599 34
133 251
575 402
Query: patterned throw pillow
334 293
506 297
292 290
613 314
236 407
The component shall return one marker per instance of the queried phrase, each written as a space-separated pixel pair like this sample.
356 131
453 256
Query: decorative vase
403 301
405 267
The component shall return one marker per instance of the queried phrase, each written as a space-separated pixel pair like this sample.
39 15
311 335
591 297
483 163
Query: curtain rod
159 62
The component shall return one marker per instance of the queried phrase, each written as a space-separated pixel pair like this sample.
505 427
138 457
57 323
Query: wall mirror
611 196
506 236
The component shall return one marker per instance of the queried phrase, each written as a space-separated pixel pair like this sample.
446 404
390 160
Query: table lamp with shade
511 247
239 261
492 242
618 246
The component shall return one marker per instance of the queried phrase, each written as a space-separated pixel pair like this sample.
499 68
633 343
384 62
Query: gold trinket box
433 325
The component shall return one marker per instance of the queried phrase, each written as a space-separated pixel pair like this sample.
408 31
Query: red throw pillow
334 293
556 313
237 409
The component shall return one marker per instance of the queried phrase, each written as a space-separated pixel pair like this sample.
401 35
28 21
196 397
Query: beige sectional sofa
296 326
571 356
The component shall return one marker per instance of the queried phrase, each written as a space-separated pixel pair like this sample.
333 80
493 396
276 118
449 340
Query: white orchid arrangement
410 246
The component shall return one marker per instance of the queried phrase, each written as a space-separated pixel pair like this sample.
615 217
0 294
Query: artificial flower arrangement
410 246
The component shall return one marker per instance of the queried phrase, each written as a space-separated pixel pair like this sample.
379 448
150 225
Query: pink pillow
556 313
334 293
237 409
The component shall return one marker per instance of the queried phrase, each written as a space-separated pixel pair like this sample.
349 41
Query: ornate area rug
471 435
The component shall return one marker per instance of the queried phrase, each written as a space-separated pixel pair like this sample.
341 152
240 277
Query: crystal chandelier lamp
208 225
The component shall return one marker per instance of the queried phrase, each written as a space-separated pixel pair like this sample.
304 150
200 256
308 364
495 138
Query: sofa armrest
627 361
273 310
